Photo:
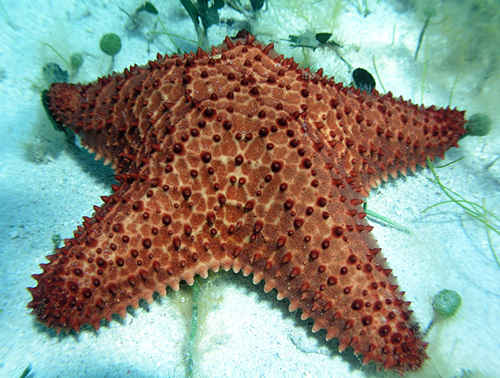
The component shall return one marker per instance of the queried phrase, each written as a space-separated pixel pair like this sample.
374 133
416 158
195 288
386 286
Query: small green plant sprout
110 44
474 210
446 303
76 61
479 124
56 240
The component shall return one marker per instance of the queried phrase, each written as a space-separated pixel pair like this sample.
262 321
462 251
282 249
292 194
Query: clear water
47 185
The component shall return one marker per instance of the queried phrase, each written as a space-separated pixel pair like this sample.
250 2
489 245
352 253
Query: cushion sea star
237 159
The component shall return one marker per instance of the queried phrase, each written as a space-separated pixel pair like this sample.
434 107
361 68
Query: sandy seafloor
47 185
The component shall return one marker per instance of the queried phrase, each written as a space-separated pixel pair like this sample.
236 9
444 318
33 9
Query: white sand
242 332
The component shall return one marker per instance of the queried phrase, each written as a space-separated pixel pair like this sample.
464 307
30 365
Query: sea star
238 159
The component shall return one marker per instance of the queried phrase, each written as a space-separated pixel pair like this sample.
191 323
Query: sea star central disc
237 159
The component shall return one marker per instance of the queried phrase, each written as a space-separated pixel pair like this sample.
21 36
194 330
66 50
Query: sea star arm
367 137
227 160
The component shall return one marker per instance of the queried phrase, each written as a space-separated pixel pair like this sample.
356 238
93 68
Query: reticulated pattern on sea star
237 159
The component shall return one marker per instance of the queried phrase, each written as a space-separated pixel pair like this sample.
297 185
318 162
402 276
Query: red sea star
237 159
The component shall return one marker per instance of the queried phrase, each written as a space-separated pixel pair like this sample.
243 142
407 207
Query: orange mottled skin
237 159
